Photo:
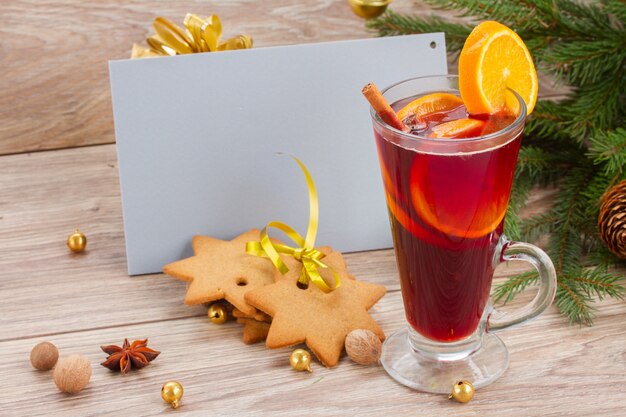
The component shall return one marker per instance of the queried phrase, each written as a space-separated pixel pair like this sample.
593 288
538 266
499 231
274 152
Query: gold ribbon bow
199 35
305 252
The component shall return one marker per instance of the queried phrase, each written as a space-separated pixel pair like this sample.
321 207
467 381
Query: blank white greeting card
198 135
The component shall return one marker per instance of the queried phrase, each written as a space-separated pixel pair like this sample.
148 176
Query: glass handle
518 251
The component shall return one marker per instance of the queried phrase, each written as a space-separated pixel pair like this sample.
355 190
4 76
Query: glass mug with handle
447 199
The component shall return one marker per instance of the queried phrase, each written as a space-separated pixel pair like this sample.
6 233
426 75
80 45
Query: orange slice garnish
431 103
494 59
414 228
460 210
459 128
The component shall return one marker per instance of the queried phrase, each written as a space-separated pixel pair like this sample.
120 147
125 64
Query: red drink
447 213
447 178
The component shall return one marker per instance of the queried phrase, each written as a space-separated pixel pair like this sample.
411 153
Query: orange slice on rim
459 128
493 60
431 103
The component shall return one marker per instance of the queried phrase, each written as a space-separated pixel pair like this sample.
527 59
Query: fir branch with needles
576 145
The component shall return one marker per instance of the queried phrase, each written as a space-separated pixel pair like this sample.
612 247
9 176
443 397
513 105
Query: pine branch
519 196
513 286
577 289
617 8
601 259
598 106
546 121
566 243
586 61
609 149
577 144
393 24
532 161
601 181
523 15
532 229
573 303
598 284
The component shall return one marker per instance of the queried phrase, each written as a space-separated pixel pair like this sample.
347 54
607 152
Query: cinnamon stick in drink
382 108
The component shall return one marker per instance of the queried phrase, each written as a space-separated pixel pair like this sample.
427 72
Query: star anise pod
135 355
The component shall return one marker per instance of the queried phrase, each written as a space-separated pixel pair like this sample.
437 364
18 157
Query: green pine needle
608 148
578 289
577 145
514 286
574 303
393 24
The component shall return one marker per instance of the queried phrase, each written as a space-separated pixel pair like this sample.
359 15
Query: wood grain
80 302
555 370
54 54
56 95
43 285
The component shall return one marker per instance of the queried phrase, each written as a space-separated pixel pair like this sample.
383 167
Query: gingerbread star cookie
222 269
321 320
258 316
253 331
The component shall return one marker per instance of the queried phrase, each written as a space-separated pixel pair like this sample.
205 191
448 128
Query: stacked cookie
272 306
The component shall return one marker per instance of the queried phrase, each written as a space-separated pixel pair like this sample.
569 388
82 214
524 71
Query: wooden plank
555 370
55 87
80 302
46 289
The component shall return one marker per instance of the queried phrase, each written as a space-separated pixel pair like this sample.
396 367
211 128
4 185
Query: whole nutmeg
72 374
44 356
363 347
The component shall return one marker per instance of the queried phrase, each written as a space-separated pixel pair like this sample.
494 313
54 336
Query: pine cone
612 219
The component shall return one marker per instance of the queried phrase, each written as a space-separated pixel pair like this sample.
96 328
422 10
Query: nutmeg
44 356
72 374
363 347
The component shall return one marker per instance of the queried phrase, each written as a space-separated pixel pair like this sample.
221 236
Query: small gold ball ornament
77 241
300 360
218 314
462 391
369 9
172 393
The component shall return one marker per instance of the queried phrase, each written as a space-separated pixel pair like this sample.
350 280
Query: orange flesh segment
494 59
431 103
486 223
459 128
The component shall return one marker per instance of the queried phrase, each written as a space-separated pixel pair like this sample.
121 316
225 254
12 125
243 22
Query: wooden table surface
82 301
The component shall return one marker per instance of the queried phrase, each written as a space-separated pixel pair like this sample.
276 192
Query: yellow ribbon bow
305 252
199 35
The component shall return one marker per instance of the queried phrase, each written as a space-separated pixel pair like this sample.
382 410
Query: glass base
425 373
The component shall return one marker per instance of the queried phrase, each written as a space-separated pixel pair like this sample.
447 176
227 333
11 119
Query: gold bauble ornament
77 241
369 9
300 360
462 391
218 314
172 393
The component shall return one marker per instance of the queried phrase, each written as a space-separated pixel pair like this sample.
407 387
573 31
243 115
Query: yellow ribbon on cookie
305 252
199 35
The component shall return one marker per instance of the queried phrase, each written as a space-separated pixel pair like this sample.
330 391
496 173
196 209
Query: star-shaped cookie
321 320
258 315
253 331
222 269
